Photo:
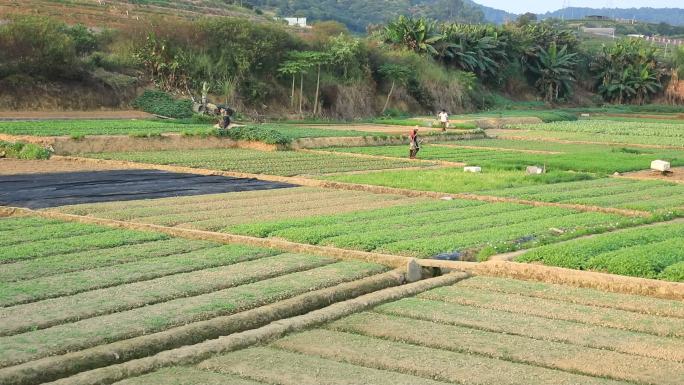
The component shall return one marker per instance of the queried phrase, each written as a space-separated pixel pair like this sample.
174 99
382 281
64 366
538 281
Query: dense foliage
161 103
22 150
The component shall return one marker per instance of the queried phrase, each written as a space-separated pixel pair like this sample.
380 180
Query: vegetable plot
287 163
652 252
460 228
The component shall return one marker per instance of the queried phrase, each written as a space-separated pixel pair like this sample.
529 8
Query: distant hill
493 15
358 14
672 16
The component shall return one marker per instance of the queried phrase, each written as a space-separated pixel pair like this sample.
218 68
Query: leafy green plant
21 150
160 103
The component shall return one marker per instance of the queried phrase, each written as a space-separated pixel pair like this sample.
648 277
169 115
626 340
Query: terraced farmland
653 252
479 331
219 211
655 196
285 163
608 131
593 159
428 229
68 287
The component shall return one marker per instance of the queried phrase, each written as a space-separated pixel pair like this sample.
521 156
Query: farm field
286 163
219 211
142 127
67 287
455 180
609 131
499 331
652 252
457 229
592 159
655 196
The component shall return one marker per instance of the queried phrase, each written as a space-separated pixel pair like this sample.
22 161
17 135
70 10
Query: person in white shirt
444 120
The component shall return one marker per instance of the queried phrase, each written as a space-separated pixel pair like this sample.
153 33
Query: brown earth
676 176
18 166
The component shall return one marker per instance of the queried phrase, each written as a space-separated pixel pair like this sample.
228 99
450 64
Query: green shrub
203 119
160 103
255 134
556 116
22 150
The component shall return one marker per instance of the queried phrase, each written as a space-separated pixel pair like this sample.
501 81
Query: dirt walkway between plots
363 187
602 281
68 115
497 149
677 175
508 134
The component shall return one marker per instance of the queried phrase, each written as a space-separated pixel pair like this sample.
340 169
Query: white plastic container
472 169
660 165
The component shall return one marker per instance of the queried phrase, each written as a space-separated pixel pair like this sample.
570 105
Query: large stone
660 165
535 170
414 272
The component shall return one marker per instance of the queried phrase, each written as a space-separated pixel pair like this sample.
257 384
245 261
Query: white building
296 21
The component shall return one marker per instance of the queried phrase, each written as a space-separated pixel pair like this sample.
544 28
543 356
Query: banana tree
418 35
554 69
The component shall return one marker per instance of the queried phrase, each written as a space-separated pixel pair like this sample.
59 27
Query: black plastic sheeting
38 191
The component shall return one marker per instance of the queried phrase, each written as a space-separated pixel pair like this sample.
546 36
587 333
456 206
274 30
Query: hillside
673 16
114 13
358 14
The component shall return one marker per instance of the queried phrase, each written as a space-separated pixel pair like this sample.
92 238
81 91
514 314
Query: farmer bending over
414 144
444 120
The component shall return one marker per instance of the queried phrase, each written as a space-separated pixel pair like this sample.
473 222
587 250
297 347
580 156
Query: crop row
103 276
240 271
609 139
217 212
154 318
612 192
287 163
99 240
554 355
611 127
589 160
537 327
652 252
78 128
569 294
437 227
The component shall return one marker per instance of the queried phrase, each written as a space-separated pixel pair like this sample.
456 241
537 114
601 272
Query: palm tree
554 70
418 35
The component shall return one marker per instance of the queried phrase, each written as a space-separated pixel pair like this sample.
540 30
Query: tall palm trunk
292 95
389 96
301 92
318 87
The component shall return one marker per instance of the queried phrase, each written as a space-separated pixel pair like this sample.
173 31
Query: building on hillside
295 21
606 32
597 17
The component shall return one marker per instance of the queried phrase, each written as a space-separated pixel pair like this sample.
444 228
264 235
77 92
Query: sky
542 6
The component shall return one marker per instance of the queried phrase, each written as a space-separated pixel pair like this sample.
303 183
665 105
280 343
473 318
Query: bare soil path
677 175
